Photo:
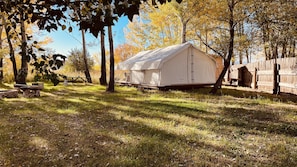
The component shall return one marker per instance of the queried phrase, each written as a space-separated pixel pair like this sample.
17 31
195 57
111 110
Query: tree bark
274 51
102 79
1 68
206 40
265 37
11 49
284 50
230 51
293 50
184 31
23 72
290 48
1 56
247 55
240 34
87 72
110 87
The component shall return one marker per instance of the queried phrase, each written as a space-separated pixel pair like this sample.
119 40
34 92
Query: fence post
255 86
276 79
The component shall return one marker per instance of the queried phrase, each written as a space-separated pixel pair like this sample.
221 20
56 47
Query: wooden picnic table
30 90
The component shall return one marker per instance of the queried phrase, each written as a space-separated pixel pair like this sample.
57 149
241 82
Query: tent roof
152 59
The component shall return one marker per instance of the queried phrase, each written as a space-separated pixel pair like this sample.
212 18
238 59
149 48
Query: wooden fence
260 75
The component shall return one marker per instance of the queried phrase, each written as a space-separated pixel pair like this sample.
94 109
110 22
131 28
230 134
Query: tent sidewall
174 71
204 69
136 77
186 66
191 66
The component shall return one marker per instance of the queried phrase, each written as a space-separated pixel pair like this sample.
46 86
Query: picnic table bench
30 90
74 80
8 93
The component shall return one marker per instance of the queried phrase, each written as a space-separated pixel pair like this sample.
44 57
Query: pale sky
63 41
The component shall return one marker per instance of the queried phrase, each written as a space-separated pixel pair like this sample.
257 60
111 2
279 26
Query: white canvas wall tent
173 66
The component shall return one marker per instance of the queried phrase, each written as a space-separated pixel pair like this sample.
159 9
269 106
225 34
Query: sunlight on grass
126 138
184 120
39 143
172 127
74 100
17 99
123 107
157 97
90 99
67 111
23 112
82 125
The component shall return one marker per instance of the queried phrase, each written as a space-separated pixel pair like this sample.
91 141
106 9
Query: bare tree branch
214 50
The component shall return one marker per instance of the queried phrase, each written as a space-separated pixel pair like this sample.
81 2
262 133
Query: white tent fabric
174 65
151 59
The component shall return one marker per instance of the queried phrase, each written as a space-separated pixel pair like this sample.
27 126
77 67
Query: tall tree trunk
87 72
266 50
230 49
23 72
184 31
206 40
240 34
103 80
274 51
1 68
294 48
240 56
290 48
247 55
11 49
1 56
110 87
284 50
265 37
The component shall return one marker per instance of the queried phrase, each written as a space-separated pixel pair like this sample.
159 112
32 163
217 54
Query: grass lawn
82 125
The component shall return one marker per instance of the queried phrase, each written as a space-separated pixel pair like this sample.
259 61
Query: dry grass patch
82 125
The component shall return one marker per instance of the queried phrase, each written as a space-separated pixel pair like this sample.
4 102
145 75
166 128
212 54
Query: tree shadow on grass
156 147
81 141
36 143
262 120
157 110
34 132
95 135
284 97
254 119
90 137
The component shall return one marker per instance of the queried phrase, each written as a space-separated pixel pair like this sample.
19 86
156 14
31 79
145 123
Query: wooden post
255 85
276 79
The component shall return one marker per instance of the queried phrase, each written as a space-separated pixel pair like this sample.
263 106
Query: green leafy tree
75 60
187 11
276 21
94 15
46 65
229 16
155 27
